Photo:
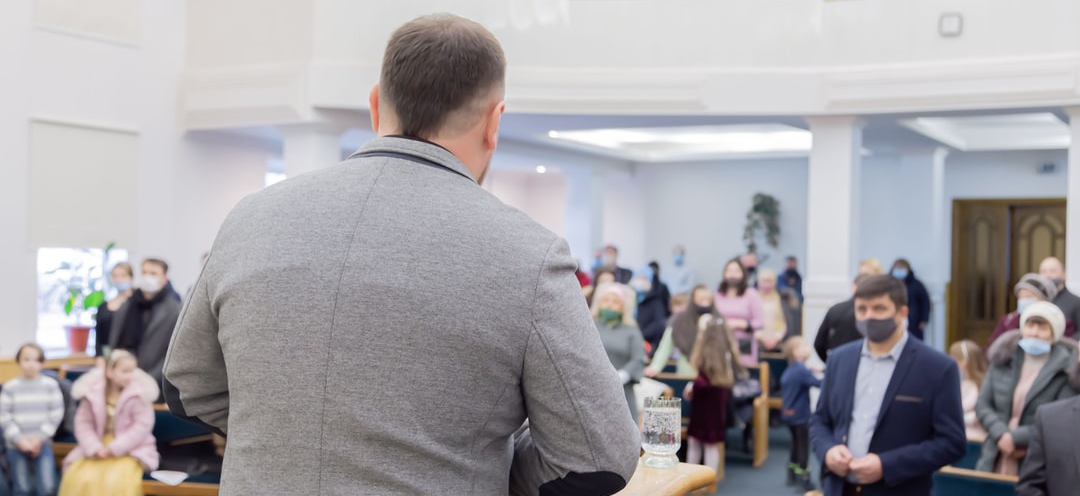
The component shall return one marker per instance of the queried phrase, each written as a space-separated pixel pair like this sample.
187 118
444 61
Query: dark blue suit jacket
920 427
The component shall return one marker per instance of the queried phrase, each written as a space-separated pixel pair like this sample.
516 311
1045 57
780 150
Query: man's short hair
159 262
436 67
612 248
881 285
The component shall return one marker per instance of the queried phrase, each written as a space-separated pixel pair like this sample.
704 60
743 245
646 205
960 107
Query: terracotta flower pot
78 335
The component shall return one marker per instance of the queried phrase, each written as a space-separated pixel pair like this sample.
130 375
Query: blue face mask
122 286
679 259
900 273
1034 346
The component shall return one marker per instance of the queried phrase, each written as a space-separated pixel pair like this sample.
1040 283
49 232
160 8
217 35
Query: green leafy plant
84 283
764 215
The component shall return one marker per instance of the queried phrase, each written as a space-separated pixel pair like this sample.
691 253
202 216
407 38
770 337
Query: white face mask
149 284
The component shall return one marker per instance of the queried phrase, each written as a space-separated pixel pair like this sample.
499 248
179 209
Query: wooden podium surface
675 481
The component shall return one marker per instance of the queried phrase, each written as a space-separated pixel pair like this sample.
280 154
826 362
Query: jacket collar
416 147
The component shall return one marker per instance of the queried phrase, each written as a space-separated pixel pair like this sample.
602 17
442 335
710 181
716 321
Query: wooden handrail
975 474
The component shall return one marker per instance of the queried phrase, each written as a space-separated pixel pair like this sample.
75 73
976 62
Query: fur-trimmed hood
1004 349
94 381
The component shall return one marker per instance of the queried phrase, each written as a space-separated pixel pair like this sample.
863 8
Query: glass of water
661 431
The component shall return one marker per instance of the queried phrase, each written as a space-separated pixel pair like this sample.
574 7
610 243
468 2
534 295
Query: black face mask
703 310
733 283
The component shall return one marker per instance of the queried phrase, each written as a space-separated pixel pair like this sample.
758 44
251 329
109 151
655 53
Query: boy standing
795 384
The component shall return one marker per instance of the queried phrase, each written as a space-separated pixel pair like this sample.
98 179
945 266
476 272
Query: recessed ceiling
685 143
1033 131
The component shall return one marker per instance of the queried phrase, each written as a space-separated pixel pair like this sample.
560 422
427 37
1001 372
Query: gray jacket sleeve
579 439
196 384
987 411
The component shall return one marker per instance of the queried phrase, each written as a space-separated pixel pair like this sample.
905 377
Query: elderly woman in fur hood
1029 367
114 427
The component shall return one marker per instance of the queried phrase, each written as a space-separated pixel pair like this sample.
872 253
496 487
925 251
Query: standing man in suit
890 413
386 326
1052 465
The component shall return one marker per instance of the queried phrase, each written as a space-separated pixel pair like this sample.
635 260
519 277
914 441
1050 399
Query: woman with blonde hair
613 312
973 364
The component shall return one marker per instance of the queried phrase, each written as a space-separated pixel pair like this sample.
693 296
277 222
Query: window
59 270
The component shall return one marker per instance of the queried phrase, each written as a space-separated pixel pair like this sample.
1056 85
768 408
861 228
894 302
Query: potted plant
83 290
764 215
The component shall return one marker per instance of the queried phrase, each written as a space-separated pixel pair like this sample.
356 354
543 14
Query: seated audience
1028 368
613 311
114 427
781 312
740 306
1031 288
972 363
681 334
31 409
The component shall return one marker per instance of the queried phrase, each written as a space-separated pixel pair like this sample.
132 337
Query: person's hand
688 391
650 372
838 459
103 453
1005 444
817 369
922 325
25 445
867 470
769 343
99 362
738 323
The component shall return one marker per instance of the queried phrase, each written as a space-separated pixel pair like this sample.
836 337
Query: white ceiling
661 139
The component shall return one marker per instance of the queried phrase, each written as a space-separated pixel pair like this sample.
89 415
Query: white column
307 147
1072 227
940 212
832 215
18 260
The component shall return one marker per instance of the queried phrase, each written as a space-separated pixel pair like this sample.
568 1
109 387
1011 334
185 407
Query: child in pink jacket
114 426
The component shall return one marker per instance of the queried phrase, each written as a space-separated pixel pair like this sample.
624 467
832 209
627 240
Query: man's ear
373 102
491 125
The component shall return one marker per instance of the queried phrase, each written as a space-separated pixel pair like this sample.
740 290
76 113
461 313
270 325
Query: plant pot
78 335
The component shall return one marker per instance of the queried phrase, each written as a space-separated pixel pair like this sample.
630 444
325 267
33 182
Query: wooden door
994 243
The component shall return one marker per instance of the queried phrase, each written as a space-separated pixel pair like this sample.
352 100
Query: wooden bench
953 481
777 365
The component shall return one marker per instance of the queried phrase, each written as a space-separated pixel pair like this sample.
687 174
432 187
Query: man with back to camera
386 326
889 414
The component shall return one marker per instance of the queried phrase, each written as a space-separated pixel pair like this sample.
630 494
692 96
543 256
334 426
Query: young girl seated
114 427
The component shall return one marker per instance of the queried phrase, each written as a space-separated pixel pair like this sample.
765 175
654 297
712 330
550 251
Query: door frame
951 295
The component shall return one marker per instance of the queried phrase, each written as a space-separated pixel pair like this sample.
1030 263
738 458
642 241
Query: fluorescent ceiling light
1034 131
691 143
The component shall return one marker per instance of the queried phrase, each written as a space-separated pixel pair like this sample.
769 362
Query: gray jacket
155 342
994 408
386 326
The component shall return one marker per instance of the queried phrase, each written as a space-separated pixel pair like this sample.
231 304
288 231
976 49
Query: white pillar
832 215
18 260
307 147
1072 227
941 264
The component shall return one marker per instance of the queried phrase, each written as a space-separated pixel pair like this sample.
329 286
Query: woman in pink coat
114 426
